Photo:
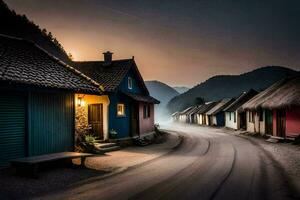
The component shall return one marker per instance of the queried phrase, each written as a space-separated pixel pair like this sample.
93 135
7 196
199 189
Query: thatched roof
206 107
219 106
284 93
243 98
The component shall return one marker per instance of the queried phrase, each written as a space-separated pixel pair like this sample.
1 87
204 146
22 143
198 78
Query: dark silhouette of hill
164 93
228 86
20 26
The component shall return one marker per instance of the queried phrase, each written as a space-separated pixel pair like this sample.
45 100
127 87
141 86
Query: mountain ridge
228 86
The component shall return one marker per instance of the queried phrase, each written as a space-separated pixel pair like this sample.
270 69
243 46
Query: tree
199 101
70 56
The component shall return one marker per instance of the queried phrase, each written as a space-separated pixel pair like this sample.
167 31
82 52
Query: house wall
51 122
81 112
220 119
121 124
293 121
146 124
262 124
207 120
250 125
230 122
214 120
200 119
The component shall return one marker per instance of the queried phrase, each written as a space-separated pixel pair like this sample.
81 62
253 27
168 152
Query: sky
180 42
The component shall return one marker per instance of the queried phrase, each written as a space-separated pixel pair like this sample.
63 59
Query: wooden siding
12 126
51 123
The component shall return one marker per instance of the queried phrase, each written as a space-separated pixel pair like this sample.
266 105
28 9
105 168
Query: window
253 116
146 111
230 116
234 117
121 109
129 83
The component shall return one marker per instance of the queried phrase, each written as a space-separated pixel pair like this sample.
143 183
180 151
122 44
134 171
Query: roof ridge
101 61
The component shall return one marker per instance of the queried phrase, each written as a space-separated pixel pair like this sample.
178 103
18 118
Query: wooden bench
33 162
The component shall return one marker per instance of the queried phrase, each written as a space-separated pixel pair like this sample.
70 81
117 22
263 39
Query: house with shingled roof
129 107
37 101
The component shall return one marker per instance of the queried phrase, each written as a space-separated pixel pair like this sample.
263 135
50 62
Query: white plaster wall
230 123
250 125
214 120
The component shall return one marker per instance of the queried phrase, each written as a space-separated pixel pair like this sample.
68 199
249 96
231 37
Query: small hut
282 100
235 118
216 115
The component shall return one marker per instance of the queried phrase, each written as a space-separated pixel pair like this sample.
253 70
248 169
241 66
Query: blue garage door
12 127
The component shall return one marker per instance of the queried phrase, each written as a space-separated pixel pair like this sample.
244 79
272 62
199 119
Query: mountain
20 26
164 94
181 89
228 86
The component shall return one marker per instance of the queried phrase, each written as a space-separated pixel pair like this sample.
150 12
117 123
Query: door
243 120
95 119
134 120
12 127
280 123
269 122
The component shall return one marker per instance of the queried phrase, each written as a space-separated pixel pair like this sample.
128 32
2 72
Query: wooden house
280 108
190 114
235 118
37 101
216 115
175 116
201 116
130 108
183 115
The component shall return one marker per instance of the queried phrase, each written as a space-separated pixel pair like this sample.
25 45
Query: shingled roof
142 98
24 62
109 75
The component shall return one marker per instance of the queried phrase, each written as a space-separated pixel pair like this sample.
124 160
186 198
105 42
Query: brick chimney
107 57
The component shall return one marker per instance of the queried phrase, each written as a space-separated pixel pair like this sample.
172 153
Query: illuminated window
129 83
120 109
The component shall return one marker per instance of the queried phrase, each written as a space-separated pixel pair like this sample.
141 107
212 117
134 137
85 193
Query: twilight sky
179 42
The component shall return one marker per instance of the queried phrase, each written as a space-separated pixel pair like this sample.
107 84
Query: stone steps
106 147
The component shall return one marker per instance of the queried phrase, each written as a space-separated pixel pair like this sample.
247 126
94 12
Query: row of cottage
45 103
273 112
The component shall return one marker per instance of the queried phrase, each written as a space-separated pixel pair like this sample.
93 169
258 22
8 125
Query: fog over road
209 164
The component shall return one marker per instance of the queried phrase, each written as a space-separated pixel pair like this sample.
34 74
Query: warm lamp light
80 101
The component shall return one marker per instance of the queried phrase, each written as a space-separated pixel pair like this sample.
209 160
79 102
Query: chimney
107 57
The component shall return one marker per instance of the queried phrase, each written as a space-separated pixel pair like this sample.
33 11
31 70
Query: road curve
209 164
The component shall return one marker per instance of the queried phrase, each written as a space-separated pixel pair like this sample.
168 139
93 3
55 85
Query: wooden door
134 120
95 119
269 122
280 123
243 120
